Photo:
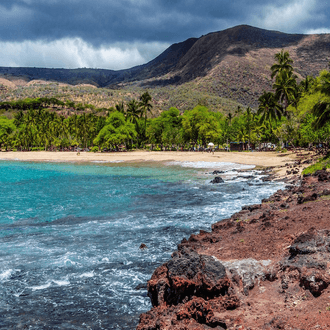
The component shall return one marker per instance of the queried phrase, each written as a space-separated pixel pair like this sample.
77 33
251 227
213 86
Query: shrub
95 149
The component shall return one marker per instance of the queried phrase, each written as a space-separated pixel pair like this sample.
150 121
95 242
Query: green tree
116 131
322 109
145 105
285 87
283 63
7 128
133 111
199 125
269 109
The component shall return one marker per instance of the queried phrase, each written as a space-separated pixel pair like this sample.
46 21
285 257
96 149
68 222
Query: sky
119 34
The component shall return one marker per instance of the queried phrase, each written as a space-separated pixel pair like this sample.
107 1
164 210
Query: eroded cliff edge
267 267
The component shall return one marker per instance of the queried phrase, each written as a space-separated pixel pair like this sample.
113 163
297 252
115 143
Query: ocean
70 234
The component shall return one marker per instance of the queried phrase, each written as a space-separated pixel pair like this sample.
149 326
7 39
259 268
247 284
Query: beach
260 159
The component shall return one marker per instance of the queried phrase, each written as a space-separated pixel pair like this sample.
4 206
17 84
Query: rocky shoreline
266 267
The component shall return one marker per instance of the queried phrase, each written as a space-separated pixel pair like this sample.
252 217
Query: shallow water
70 235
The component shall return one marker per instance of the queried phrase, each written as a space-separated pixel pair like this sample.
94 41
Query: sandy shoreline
264 159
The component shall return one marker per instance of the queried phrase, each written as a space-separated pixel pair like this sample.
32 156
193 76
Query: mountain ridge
233 63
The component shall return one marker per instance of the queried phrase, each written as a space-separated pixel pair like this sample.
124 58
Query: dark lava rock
309 254
217 179
322 175
251 207
325 192
308 198
218 172
186 275
194 274
246 176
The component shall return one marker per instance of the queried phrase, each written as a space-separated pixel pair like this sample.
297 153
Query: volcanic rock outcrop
267 267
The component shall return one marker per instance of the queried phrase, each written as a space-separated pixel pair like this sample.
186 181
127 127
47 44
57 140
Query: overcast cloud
117 34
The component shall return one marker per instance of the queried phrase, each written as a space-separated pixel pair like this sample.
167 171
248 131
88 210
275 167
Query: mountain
233 63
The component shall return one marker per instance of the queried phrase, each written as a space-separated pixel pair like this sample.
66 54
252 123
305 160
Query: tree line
291 114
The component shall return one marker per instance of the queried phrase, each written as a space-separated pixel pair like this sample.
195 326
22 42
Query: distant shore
260 159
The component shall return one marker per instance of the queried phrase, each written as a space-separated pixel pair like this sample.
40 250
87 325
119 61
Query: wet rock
249 177
218 172
217 179
267 179
143 246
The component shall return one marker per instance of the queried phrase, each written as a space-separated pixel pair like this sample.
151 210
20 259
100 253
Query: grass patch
319 165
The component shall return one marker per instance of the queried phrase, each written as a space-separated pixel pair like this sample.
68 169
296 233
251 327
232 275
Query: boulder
217 179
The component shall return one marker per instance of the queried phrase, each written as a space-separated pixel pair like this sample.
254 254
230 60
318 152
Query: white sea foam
5 275
212 165
88 274
41 287
61 282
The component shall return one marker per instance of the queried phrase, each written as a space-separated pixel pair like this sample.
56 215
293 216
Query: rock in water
218 172
217 179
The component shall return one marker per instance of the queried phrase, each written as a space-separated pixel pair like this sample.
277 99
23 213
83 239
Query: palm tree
324 84
322 112
238 111
249 120
241 135
269 108
283 63
133 111
120 107
285 88
145 105
229 119
306 84
322 109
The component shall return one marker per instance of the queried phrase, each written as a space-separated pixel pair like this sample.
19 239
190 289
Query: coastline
265 267
259 159
176 171
252 246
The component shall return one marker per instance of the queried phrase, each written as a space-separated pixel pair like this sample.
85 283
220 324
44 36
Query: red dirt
267 267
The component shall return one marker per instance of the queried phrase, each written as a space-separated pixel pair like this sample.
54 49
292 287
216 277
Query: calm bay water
70 235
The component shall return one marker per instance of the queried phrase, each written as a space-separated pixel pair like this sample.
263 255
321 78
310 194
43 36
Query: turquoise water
70 235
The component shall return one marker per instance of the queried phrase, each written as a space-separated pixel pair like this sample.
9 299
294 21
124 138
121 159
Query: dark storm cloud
107 21
134 31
